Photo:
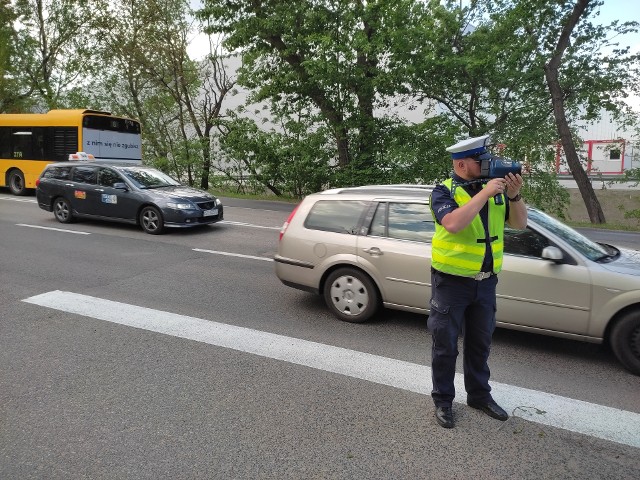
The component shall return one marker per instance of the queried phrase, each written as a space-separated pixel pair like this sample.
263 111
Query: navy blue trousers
461 306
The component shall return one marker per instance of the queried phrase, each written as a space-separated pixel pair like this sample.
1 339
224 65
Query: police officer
466 257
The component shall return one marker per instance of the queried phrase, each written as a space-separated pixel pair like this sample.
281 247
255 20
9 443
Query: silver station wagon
367 247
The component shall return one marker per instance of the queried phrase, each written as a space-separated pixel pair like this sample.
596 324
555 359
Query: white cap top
469 147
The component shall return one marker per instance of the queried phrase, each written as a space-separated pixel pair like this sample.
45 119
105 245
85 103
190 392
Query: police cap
470 147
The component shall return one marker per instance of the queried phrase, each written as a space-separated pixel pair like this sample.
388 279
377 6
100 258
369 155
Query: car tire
62 210
151 220
16 184
351 295
625 340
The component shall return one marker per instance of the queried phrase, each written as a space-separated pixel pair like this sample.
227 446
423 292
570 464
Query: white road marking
229 254
243 224
52 228
19 199
548 409
254 209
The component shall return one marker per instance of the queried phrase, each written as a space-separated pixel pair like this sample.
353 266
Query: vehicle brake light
285 225
37 182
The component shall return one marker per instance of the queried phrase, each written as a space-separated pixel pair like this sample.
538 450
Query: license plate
211 213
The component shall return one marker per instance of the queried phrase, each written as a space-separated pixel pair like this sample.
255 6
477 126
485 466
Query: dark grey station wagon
124 193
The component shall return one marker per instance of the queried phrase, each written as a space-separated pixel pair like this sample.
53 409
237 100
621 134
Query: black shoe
491 408
444 416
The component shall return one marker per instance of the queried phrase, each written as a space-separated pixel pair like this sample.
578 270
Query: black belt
478 276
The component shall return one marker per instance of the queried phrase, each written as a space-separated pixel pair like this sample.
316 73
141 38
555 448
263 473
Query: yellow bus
29 141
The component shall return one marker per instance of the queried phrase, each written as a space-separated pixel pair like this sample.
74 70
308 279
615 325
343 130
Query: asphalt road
87 398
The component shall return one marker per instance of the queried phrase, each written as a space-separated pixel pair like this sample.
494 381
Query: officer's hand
496 186
514 184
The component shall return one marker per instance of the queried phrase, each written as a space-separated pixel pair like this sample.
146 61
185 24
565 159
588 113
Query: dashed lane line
243 224
19 199
52 228
230 254
544 408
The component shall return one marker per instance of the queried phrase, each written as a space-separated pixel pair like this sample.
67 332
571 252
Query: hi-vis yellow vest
462 253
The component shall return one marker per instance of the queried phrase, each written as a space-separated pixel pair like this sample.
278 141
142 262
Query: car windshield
149 178
593 251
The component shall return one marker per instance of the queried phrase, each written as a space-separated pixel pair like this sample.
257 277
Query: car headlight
218 202
181 206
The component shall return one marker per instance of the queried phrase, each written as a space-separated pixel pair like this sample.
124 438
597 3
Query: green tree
56 53
198 89
527 72
576 76
328 55
15 89
122 85
148 73
292 160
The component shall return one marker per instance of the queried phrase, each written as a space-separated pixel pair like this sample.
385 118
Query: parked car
123 193
367 247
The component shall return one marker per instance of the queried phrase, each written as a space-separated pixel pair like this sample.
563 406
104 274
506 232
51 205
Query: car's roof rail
400 188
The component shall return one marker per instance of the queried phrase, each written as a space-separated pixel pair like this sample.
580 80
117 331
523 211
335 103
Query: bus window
5 142
26 143
37 143
21 139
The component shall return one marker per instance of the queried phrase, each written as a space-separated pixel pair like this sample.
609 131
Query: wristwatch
517 198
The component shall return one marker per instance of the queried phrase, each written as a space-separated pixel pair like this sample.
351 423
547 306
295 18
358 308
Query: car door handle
375 251
99 189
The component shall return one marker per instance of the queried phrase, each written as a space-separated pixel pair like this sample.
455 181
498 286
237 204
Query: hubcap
349 295
62 212
16 183
150 220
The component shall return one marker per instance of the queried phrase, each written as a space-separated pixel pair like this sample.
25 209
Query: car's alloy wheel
62 210
16 183
351 295
625 340
151 220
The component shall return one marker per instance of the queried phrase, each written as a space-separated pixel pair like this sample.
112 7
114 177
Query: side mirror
552 253
120 186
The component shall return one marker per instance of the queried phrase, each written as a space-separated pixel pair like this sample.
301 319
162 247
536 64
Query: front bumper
190 218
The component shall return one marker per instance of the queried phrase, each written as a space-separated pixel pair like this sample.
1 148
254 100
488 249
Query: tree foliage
55 47
327 55
15 89
143 50
526 72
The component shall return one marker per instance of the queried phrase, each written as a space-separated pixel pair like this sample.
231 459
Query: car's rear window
404 221
342 216
60 173
84 175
